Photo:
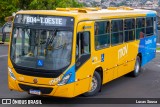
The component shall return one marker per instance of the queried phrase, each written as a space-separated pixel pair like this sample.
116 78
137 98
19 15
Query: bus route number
48 21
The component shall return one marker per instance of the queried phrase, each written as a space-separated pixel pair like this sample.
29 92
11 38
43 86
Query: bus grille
43 90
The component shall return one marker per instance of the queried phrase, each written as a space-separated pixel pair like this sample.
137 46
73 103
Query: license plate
36 92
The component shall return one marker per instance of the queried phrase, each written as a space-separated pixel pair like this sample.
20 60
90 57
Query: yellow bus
71 51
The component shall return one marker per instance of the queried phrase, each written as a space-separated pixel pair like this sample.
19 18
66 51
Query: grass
7 39
158 49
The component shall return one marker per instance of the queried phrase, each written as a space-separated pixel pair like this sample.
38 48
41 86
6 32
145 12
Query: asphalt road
146 85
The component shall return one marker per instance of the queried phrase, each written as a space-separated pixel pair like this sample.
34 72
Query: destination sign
44 20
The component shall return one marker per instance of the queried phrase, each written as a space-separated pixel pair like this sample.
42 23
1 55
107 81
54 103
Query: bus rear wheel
137 67
95 85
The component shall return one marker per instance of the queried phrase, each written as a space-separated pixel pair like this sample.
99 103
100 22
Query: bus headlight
64 80
11 73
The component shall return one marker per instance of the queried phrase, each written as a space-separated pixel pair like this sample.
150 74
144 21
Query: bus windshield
41 48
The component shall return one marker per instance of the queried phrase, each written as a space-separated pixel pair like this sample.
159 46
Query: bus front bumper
58 91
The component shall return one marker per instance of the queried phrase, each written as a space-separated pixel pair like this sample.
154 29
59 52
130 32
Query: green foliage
52 4
7 7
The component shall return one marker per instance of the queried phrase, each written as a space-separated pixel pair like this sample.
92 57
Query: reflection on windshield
51 48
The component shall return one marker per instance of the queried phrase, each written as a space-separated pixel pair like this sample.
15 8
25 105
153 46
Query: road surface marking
3 56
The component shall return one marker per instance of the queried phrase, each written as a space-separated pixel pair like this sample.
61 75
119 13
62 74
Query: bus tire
95 85
137 67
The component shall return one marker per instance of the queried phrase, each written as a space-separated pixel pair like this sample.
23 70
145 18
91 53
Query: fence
6 39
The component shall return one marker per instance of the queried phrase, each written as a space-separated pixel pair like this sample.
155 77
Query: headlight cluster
11 73
64 80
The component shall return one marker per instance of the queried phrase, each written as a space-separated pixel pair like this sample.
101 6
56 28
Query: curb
158 51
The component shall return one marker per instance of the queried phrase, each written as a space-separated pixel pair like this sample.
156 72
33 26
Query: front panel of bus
40 58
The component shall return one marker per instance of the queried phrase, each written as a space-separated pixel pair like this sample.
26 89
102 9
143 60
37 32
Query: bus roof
93 13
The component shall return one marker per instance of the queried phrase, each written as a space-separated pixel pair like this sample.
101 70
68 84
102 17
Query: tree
21 4
7 7
52 4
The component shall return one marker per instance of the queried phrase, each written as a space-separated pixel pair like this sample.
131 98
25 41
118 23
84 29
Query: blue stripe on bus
72 72
147 47
151 14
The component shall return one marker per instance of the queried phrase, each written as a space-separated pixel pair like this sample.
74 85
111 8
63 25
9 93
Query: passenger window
155 25
140 28
149 26
102 34
83 44
129 29
117 32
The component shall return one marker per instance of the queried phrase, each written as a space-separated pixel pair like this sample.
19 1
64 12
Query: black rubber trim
39 72
44 90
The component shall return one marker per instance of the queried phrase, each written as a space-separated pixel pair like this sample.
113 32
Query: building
97 0
81 1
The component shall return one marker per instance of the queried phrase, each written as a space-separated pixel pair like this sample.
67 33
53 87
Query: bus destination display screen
44 20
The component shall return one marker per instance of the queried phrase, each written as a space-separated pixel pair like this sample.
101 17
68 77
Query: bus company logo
148 41
35 80
122 52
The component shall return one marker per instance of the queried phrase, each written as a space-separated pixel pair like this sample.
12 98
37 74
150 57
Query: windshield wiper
50 40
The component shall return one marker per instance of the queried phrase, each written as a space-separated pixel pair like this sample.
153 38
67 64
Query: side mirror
7 28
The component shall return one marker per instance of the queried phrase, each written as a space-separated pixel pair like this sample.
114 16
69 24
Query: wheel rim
137 67
94 84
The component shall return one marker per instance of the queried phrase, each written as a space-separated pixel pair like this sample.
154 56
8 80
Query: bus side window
129 29
102 34
117 32
155 25
140 28
149 26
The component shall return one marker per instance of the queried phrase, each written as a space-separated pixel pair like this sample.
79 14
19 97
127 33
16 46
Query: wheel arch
140 56
100 71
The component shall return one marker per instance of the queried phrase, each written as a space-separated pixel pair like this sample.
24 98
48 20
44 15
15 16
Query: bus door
83 57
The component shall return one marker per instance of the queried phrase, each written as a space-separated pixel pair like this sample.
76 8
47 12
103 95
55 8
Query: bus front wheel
95 85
